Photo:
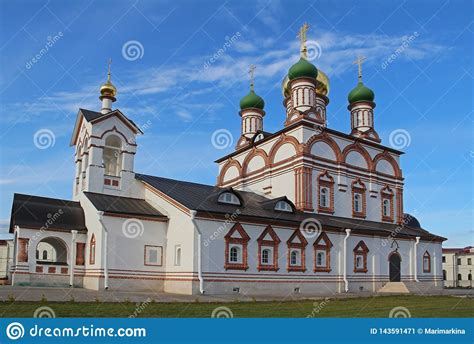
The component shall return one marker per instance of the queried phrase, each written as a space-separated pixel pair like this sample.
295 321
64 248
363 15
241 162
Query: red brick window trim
236 255
360 257
386 205
268 250
322 253
92 250
23 244
359 202
325 193
426 262
296 260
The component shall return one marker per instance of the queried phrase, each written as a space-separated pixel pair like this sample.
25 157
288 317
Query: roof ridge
102 194
44 197
177 180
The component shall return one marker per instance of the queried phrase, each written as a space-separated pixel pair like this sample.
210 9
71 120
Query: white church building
306 209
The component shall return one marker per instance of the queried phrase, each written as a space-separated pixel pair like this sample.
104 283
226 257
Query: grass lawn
380 306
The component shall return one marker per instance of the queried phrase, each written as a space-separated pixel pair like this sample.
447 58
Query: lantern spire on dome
107 92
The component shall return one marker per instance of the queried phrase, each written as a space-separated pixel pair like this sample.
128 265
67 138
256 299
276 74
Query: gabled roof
123 205
203 198
94 117
48 213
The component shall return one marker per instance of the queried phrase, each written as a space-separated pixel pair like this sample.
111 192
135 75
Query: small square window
153 255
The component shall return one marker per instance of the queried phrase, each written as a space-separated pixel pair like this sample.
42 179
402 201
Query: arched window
459 277
268 243
326 193
92 250
358 199
45 255
296 252
294 257
112 156
266 256
234 255
323 197
236 241
360 257
386 195
444 275
426 262
229 198
283 206
322 253
177 255
357 203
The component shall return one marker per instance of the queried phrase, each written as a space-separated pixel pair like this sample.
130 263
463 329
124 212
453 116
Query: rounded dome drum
322 86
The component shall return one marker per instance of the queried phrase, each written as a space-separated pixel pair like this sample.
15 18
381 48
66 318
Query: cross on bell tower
358 62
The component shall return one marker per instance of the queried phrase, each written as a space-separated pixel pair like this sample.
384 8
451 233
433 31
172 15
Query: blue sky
181 98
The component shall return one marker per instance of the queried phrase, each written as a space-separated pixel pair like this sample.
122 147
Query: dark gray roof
51 213
123 205
203 198
90 116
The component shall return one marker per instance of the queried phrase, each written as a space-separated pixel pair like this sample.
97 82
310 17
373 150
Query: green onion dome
252 100
302 68
361 93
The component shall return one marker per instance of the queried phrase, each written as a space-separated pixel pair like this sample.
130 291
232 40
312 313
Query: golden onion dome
108 89
321 88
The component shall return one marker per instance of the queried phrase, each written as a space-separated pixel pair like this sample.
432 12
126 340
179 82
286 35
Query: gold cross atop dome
302 36
358 62
109 62
252 75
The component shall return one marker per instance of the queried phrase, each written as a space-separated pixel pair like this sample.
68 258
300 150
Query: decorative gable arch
229 164
323 137
281 141
254 153
357 147
387 157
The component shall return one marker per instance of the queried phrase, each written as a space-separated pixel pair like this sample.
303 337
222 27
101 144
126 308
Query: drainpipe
72 258
416 259
104 254
196 227
346 282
